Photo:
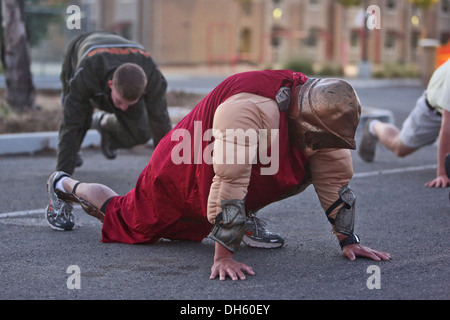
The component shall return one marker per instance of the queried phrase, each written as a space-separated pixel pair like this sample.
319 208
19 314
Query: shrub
299 65
331 70
396 70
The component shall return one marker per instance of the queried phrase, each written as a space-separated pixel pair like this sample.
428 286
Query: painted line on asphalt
393 171
21 213
27 212
355 176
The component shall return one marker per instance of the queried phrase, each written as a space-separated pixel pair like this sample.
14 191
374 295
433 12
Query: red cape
170 200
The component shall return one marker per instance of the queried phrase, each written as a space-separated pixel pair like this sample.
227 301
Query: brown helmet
327 115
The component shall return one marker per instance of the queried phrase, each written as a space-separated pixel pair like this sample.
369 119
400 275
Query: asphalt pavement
395 214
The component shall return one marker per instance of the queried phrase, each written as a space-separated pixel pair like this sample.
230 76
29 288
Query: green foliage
5 110
38 18
396 70
350 3
299 65
306 66
38 15
423 4
330 70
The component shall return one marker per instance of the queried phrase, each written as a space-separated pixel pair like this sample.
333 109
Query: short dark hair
130 81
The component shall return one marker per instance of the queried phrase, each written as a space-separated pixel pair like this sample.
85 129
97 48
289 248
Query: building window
245 41
415 35
247 6
313 37
445 5
389 41
354 38
445 37
276 39
390 4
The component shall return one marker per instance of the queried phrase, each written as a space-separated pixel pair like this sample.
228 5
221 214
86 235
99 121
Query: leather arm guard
230 224
344 221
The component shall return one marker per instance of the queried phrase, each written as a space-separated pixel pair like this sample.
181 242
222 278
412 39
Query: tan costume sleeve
237 123
331 169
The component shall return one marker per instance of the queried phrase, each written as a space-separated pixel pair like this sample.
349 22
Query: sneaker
59 213
79 161
256 235
106 143
106 140
368 144
97 119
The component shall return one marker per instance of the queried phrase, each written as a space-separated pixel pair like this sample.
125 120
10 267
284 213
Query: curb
30 143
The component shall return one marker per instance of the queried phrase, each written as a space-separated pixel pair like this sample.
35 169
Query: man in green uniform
118 77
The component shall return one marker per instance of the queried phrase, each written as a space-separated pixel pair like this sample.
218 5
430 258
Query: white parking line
393 171
355 176
27 212
21 213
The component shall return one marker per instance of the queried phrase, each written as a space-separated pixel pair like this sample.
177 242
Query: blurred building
270 32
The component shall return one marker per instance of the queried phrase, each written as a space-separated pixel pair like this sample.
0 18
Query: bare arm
441 180
231 179
331 170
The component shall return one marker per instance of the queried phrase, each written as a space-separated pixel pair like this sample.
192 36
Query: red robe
170 200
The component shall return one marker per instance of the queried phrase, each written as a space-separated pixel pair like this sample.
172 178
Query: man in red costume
257 138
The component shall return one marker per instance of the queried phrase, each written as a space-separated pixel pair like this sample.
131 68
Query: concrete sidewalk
30 143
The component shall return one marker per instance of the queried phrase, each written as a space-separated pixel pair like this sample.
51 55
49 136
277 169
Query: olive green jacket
89 64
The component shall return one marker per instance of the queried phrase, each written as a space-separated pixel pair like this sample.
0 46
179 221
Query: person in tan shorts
428 121
257 138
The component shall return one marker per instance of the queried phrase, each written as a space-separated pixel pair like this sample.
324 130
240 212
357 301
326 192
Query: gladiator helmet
326 113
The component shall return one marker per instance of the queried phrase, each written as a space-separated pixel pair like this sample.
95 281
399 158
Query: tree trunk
20 90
